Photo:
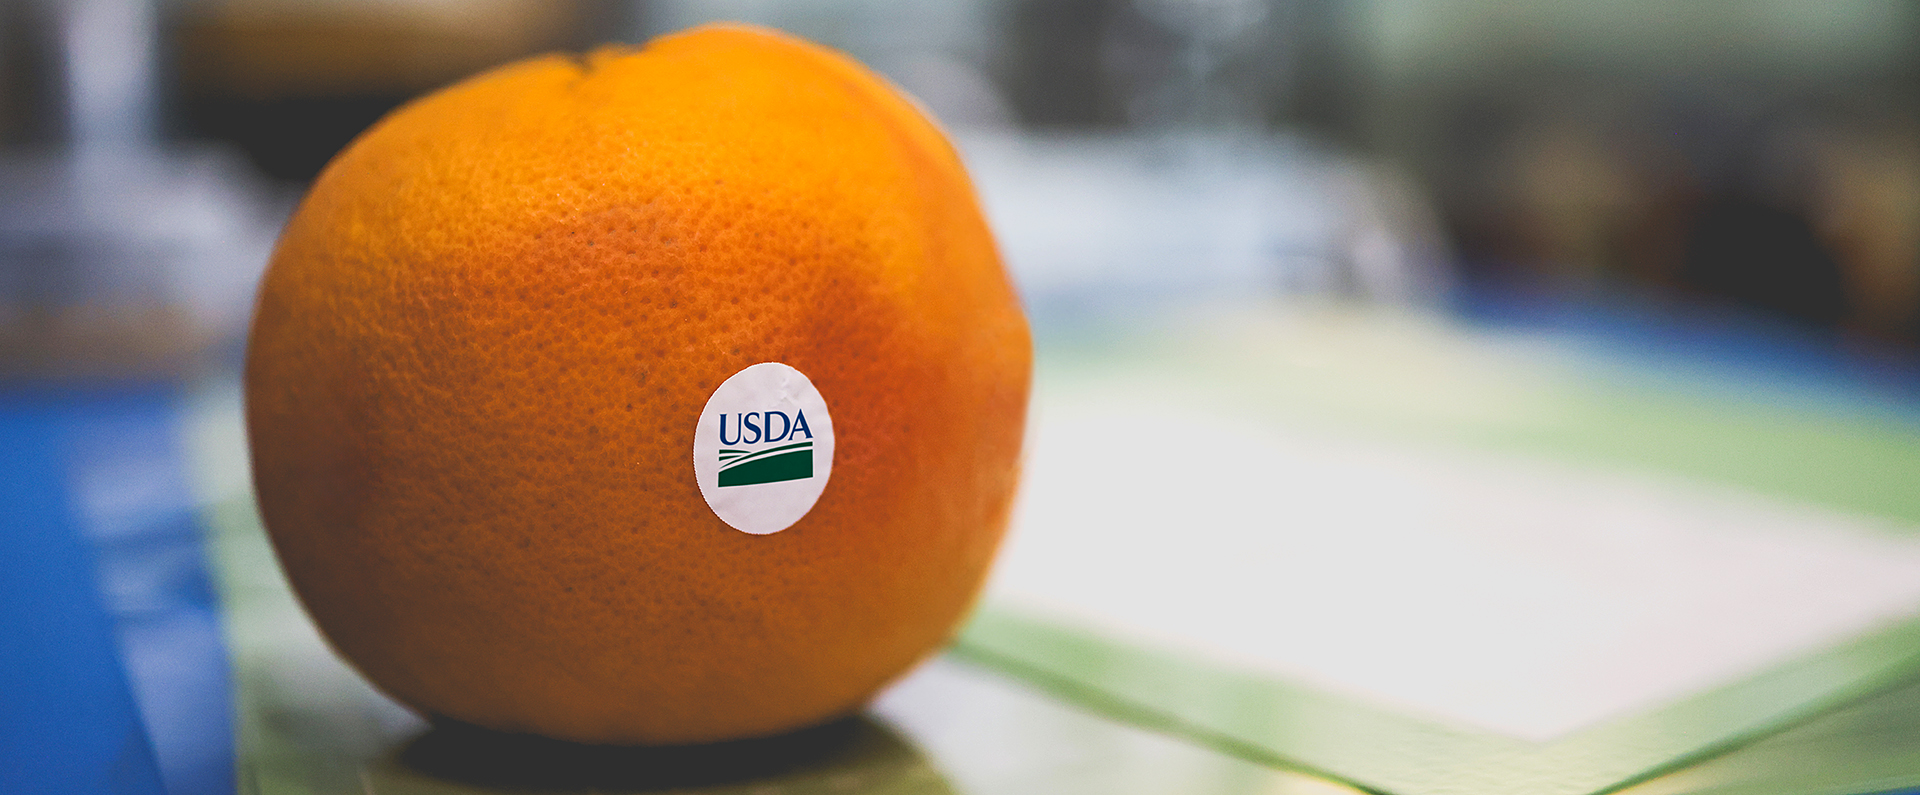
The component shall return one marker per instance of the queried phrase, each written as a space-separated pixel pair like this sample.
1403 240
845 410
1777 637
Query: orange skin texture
484 340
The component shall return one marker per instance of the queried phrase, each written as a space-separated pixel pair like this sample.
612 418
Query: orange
484 340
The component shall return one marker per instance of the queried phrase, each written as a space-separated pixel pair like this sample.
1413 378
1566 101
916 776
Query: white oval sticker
763 448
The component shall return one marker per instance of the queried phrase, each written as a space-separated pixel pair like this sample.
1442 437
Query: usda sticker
763 449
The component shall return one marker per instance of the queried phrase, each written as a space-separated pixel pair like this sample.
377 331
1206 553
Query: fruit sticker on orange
763 448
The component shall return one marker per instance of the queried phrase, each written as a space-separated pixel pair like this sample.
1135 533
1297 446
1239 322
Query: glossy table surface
309 724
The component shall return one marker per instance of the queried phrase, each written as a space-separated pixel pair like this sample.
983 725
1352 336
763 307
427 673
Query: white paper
1525 597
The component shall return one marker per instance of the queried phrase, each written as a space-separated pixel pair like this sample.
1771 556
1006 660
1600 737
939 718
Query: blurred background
1649 167
1755 154
1758 154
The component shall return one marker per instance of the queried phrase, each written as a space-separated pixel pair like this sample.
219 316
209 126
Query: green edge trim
1273 721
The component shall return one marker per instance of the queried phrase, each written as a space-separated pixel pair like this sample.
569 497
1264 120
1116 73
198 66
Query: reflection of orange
485 339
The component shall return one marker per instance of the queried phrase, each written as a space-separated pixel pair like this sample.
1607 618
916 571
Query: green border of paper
1374 374
1374 747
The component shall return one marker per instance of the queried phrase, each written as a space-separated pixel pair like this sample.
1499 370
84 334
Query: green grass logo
772 465
792 461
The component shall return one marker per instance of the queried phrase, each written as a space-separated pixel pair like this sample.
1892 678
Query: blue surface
1831 368
116 672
